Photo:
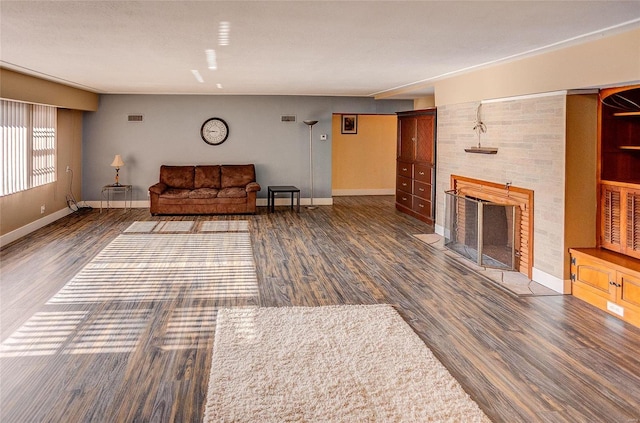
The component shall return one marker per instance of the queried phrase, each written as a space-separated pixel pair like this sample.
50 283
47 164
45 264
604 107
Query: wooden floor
534 359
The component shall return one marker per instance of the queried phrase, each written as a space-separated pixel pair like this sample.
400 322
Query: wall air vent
288 118
135 118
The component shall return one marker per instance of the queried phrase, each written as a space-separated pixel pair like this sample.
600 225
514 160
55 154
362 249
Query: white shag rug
328 364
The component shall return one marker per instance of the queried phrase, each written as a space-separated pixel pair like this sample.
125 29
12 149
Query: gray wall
170 134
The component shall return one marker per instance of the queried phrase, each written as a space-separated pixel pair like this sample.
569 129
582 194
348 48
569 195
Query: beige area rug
328 364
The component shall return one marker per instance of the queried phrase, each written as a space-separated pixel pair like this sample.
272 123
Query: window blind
28 153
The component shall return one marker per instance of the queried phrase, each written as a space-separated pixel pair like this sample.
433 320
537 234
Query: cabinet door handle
404 184
421 205
420 189
404 198
413 139
404 169
420 173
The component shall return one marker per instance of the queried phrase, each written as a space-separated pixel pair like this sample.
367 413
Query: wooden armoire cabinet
415 166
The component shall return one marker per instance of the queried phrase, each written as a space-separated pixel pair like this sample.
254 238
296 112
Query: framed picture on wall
349 124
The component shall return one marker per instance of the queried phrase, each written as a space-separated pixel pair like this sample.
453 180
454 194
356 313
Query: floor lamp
311 123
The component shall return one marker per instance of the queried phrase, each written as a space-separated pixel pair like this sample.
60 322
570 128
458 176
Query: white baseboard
354 192
550 281
439 230
317 201
33 226
140 204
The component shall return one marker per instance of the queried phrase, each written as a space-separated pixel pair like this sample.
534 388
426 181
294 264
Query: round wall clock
214 131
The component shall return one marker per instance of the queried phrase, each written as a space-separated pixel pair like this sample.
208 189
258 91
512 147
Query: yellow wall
20 87
364 163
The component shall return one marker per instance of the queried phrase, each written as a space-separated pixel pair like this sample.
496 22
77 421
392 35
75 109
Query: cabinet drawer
403 184
404 198
422 190
422 206
422 173
405 169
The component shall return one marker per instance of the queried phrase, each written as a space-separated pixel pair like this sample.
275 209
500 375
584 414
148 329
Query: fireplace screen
481 231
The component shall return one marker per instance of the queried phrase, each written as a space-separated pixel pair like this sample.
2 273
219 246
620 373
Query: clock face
214 131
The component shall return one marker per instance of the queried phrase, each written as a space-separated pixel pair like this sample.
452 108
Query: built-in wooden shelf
627 114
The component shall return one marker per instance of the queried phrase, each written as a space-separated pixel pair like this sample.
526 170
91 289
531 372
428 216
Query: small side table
107 190
273 190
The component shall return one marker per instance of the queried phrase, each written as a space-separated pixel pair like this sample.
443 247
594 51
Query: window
28 154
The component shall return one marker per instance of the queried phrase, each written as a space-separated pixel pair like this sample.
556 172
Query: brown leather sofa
205 189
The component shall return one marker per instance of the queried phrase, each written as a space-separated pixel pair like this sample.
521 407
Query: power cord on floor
71 200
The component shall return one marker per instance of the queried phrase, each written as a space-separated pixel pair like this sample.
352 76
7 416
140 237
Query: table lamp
117 163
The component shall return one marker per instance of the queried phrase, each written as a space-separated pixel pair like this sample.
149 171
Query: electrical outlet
615 308
323 137
68 168
42 208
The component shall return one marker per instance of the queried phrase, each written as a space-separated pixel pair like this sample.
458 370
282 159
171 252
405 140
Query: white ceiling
345 48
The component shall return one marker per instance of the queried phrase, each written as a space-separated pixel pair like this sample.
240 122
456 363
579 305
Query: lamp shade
117 161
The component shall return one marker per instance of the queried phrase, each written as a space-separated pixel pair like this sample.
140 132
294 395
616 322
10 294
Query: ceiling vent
288 118
135 118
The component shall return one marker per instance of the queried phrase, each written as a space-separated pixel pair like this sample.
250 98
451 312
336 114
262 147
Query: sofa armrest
253 187
157 188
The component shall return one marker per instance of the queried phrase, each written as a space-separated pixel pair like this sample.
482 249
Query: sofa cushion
175 193
237 175
203 193
232 192
207 177
177 176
